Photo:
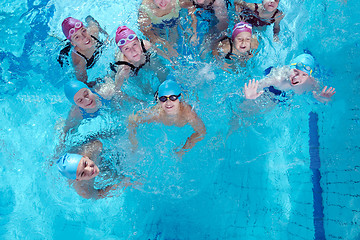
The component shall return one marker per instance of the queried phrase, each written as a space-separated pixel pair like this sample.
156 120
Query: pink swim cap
124 35
241 27
70 26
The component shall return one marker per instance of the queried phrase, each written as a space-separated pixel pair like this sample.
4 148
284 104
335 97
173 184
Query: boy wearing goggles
86 46
261 15
298 78
169 111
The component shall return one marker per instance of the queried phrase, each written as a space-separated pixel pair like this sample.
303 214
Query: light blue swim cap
67 164
304 62
72 87
169 87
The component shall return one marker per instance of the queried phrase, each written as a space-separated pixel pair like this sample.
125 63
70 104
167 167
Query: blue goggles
300 66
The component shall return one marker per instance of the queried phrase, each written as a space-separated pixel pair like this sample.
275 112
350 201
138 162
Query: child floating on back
296 77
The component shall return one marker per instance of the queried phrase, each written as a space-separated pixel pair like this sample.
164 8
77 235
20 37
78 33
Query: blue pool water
260 182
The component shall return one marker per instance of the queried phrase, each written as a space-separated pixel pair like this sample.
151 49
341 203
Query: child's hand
251 90
180 153
194 40
325 95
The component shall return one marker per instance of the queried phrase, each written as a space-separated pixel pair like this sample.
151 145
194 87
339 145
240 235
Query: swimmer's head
72 87
241 27
241 36
169 94
169 87
75 166
304 62
270 5
78 93
124 35
70 26
68 164
162 4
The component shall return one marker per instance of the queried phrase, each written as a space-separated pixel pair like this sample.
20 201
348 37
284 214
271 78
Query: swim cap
304 62
124 35
72 87
241 27
68 164
169 87
70 26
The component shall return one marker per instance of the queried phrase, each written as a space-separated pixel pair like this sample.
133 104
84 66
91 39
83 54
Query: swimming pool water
255 184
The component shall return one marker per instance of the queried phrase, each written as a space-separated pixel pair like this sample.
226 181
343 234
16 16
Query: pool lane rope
315 164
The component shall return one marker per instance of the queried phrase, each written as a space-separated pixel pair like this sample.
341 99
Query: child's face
82 39
132 51
298 77
84 98
162 4
170 107
242 42
271 5
199 1
86 169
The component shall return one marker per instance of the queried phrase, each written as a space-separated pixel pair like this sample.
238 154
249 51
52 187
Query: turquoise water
255 184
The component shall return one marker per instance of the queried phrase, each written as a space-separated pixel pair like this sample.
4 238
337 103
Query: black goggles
171 97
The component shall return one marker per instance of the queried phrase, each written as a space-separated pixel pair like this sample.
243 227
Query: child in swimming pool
238 48
134 55
156 17
86 104
296 77
218 8
81 168
261 15
169 111
86 45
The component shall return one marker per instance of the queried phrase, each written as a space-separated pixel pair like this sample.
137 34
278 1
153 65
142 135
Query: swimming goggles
171 97
300 66
123 41
77 26
243 25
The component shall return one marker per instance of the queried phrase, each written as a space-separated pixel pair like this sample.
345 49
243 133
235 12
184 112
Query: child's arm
94 27
279 17
325 95
87 190
140 117
250 90
72 122
80 68
191 11
221 14
199 128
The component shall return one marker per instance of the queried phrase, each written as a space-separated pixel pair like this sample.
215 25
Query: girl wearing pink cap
134 55
261 15
86 46
238 47
159 19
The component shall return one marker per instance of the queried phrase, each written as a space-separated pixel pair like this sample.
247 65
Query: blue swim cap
304 62
67 164
72 87
169 87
